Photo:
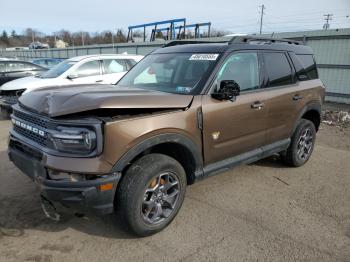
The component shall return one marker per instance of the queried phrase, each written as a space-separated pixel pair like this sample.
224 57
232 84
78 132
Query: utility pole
261 17
328 17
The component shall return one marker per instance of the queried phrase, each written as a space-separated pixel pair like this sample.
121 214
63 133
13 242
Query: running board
245 158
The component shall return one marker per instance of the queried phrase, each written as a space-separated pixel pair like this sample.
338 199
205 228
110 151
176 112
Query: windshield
179 73
58 70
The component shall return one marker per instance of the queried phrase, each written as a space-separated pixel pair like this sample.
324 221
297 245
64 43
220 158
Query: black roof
222 47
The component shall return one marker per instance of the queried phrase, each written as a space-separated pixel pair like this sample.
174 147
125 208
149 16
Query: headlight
73 140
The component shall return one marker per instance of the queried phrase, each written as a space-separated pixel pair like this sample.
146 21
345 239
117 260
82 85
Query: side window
114 66
243 68
91 68
309 65
278 69
17 66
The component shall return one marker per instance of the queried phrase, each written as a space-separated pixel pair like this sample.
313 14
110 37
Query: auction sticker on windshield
210 57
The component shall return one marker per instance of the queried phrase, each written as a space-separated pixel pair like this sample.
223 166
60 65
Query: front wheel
302 144
151 193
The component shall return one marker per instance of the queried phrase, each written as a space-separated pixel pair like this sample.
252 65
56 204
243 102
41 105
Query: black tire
132 193
299 152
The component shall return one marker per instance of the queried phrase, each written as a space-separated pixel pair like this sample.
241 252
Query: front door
232 128
88 73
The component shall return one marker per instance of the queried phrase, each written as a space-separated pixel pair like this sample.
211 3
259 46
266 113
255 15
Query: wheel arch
310 112
177 146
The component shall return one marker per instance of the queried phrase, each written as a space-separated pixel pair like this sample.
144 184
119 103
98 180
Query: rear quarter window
309 65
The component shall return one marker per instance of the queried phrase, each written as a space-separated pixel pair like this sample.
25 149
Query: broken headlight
74 140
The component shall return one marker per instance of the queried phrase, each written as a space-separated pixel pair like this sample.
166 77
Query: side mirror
228 90
72 76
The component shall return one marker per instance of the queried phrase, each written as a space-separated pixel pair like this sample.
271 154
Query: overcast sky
236 16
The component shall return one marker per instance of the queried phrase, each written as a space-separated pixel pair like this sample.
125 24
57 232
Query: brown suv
185 112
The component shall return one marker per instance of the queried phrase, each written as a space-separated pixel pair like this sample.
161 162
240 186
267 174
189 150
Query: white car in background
102 69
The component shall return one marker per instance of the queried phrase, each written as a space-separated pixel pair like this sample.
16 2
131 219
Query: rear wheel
302 144
151 193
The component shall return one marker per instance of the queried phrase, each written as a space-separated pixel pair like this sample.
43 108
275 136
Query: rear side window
278 69
2 67
112 66
309 65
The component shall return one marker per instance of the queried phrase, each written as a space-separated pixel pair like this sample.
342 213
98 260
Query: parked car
185 112
38 45
102 69
46 62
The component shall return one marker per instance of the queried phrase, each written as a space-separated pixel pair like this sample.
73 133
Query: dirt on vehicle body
183 113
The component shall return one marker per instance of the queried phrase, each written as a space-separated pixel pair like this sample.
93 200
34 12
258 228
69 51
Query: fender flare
311 106
157 140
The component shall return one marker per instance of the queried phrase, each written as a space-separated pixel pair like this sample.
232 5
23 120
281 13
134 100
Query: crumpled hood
69 100
27 83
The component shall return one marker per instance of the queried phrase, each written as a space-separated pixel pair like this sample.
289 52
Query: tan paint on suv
200 132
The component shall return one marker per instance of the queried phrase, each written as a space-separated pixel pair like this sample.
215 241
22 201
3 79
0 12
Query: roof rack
189 42
236 40
250 38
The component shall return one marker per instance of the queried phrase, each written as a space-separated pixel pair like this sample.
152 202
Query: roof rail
190 42
236 40
250 38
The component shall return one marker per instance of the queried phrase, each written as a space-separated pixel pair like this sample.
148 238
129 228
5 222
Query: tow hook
49 209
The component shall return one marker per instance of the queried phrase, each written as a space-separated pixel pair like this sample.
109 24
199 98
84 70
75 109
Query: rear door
281 95
232 128
113 70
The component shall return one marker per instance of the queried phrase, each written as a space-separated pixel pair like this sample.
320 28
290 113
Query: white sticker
209 57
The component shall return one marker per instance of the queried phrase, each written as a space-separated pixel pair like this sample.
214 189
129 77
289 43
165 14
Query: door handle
257 105
99 81
297 97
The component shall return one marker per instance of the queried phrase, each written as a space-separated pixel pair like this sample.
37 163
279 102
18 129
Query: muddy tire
302 144
151 193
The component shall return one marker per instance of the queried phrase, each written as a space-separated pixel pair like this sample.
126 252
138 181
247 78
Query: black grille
32 136
25 149
31 119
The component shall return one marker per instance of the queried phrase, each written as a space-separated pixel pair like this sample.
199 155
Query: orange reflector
106 187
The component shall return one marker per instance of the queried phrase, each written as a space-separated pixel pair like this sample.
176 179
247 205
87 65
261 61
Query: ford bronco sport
187 111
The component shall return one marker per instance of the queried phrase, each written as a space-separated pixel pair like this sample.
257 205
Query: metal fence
331 47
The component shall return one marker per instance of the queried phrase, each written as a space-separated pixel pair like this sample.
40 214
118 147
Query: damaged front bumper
87 196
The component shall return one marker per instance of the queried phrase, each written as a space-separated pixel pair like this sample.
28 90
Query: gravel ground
258 212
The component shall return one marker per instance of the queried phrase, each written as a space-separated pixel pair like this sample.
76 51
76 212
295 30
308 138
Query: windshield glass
179 73
58 70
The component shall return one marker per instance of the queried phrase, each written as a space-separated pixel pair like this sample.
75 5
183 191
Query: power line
328 17
262 16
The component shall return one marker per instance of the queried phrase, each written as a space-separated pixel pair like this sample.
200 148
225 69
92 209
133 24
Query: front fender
157 140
